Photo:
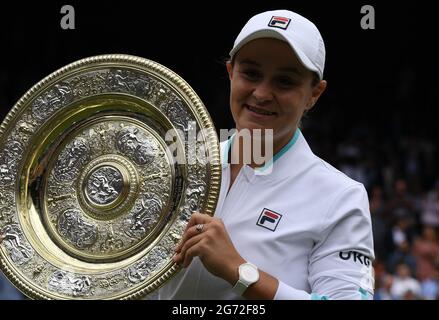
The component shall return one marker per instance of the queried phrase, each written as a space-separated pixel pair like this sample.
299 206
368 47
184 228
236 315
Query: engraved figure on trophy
6 172
143 268
6 205
145 214
118 80
176 111
60 95
47 103
142 86
138 272
128 81
111 244
75 229
63 282
84 85
26 126
19 251
104 185
141 150
194 192
71 159
8 161
13 150
101 138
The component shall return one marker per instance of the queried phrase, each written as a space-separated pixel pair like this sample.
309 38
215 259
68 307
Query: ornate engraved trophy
98 179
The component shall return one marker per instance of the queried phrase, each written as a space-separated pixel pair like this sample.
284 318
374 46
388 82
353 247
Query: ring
199 227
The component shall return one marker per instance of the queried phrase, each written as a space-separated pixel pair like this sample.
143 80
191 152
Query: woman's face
270 88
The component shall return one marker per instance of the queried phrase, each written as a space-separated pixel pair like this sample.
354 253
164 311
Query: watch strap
239 287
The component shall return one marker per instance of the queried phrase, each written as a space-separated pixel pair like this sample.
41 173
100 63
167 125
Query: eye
252 74
286 82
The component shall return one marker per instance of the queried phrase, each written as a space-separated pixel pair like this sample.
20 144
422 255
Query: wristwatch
248 274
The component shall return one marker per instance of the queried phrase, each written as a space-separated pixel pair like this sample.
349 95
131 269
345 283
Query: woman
303 231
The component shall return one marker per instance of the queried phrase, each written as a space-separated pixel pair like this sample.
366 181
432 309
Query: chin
250 125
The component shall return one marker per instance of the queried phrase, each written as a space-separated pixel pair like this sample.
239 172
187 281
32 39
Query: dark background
376 121
371 73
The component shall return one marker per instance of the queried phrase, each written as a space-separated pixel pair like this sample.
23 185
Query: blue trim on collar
271 161
281 152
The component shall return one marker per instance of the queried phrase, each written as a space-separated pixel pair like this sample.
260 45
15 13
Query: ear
229 67
317 91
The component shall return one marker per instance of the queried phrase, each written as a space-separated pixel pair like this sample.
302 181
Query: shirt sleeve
340 264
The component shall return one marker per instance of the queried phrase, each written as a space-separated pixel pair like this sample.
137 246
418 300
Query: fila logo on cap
269 219
279 22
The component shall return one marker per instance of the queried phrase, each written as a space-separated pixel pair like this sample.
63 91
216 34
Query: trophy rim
198 110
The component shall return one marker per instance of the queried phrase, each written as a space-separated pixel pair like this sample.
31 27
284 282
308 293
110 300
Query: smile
260 111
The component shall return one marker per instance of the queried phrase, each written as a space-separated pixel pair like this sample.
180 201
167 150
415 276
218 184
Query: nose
263 92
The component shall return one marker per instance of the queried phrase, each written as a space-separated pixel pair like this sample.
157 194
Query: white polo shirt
305 223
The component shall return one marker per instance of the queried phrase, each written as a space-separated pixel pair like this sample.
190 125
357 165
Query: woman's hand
207 238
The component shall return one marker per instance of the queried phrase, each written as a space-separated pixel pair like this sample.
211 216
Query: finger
190 243
198 218
191 232
187 245
192 252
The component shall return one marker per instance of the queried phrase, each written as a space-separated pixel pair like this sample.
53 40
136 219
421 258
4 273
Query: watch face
249 273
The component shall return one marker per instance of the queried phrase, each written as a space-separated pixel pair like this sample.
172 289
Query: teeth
260 111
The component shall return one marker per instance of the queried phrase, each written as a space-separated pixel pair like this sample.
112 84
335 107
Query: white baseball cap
300 33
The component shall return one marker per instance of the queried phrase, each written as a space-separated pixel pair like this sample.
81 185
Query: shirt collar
269 165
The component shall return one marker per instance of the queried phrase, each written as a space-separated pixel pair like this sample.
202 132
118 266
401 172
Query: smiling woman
271 89
279 235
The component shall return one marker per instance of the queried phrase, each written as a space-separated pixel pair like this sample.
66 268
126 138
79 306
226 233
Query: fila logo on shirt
279 22
269 219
